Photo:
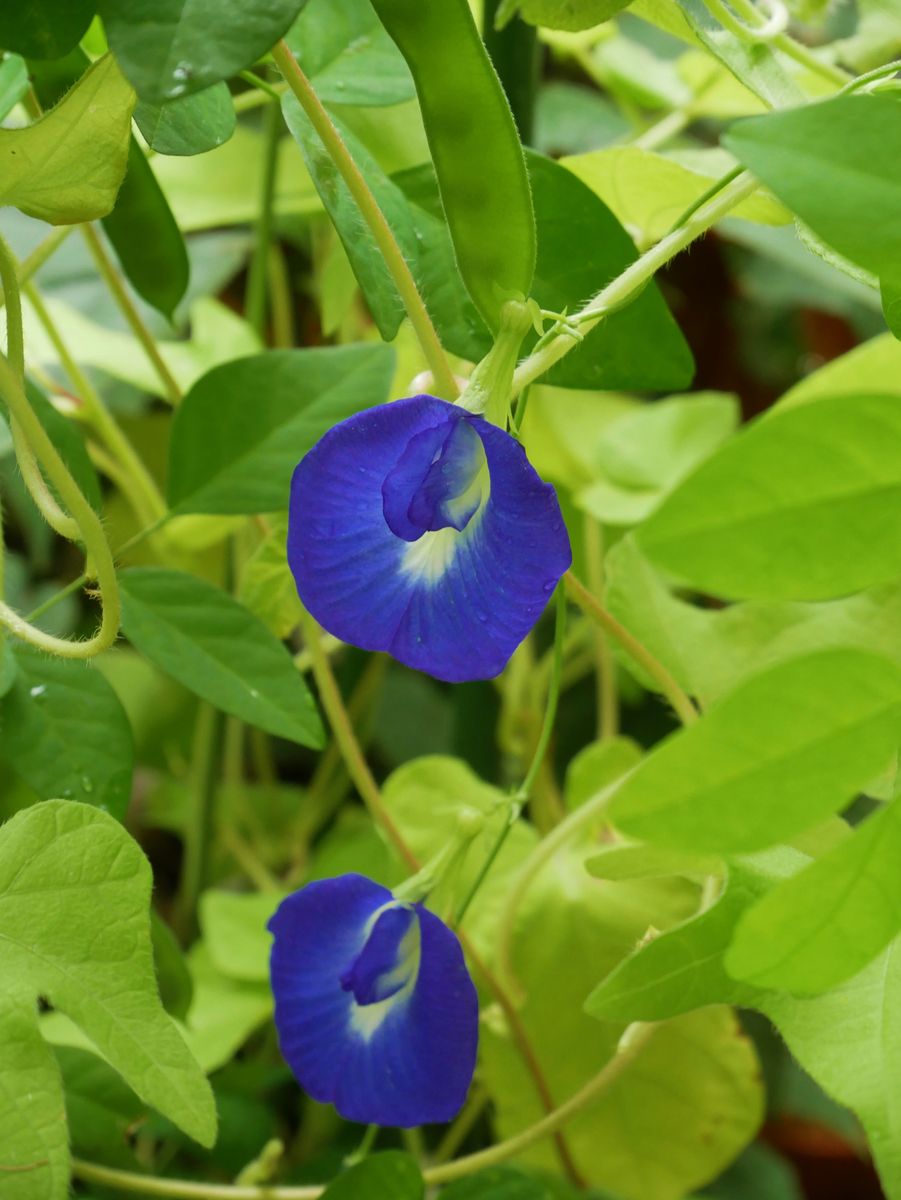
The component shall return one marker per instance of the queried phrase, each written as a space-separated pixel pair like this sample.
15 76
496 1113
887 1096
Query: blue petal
403 1060
454 602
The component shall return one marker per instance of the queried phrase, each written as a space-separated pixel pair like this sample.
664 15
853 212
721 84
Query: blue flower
420 529
374 1007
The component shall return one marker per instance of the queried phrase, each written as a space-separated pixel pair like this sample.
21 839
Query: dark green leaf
102 1110
172 975
212 645
804 504
497 1183
169 48
65 732
147 241
391 1175
365 257
191 125
837 165
774 757
243 427
44 28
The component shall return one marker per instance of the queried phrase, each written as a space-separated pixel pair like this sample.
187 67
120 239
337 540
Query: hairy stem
627 285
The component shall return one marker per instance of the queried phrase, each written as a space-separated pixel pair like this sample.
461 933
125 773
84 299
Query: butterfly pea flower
374 1007
421 529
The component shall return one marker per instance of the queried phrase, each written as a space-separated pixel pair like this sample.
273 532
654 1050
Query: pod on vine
475 148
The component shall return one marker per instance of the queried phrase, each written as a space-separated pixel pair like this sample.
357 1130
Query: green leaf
640 347
235 933
243 427
848 1042
66 734
216 648
891 305
366 259
683 968
837 165
424 798
9 668
44 28
67 167
102 1111
825 924
804 504
774 757
569 928
69 441
597 766
224 1012
176 989
349 57
267 586
571 15
644 454
755 64
147 241
34 1147
637 347
170 48
635 860
390 1175
13 81
190 125
648 192
74 900
496 1183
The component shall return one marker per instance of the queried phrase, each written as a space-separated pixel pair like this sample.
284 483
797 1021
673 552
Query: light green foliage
831 163
267 586
772 758
563 14
44 28
682 969
34 1151
344 49
189 125
825 924
170 48
190 629
222 188
65 732
13 82
798 506
67 167
424 798
758 66
597 766
649 192
645 453
391 1175
102 1112
74 896
710 650
570 927
232 456
636 860
224 1012
234 930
